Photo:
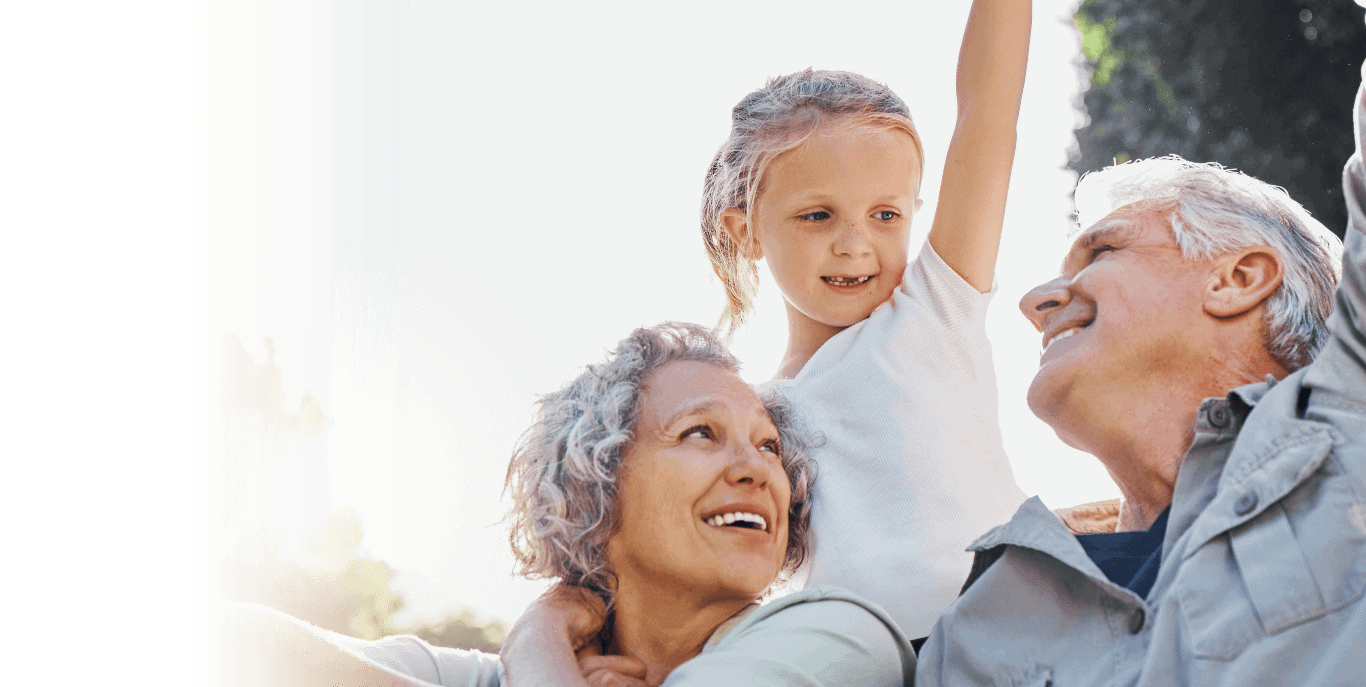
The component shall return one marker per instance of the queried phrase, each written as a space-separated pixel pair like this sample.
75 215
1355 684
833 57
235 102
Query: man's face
1123 316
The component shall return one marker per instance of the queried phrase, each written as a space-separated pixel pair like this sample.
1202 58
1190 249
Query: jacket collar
1274 453
1036 527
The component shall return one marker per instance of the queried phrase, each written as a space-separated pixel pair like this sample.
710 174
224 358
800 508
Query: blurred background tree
1263 86
330 583
288 546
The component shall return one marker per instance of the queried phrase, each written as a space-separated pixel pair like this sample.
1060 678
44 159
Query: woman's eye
700 431
885 215
772 446
817 216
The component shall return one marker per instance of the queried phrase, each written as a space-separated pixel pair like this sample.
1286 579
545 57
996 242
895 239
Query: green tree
331 584
1264 86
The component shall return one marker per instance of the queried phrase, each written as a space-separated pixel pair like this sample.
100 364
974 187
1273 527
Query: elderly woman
667 498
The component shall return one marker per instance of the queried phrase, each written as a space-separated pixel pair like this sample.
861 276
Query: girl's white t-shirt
911 467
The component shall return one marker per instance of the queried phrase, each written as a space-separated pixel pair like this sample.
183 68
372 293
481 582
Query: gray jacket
1264 561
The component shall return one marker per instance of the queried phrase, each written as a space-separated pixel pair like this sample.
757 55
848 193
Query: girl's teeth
848 281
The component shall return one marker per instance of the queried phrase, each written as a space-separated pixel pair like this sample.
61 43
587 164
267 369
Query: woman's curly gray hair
564 474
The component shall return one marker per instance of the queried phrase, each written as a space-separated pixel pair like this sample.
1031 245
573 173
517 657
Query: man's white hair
1219 211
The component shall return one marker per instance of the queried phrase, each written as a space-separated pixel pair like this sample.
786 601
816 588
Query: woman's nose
748 466
1043 299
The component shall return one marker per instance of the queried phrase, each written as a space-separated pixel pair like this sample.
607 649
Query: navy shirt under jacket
1129 559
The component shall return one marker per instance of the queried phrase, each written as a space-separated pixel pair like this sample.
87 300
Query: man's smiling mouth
1070 331
847 281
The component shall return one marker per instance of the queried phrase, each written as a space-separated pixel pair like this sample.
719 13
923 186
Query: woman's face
703 493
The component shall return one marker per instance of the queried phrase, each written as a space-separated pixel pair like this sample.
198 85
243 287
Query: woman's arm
972 197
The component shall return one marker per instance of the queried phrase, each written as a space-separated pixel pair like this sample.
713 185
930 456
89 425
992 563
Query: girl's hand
612 671
540 648
578 612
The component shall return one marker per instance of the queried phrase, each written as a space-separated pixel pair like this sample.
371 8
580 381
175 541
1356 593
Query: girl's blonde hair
766 124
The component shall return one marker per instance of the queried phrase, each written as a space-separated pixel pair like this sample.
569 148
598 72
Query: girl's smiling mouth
847 281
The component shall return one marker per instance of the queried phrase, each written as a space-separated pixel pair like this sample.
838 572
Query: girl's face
834 221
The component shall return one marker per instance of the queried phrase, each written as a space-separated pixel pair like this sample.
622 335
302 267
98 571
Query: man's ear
736 223
1242 280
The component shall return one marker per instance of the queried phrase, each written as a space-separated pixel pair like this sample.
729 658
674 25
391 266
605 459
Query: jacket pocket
1252 581
1216 609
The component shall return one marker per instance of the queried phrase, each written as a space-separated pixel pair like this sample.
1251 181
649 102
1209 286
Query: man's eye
700 431
817 216
1095 252
885 215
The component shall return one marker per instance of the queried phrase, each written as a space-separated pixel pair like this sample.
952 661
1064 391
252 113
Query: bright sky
440 210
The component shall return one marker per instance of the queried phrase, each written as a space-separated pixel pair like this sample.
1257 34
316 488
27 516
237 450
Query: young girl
888 359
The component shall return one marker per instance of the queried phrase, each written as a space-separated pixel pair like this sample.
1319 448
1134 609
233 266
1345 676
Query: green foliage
330 584
463 631
1264 86
1097 44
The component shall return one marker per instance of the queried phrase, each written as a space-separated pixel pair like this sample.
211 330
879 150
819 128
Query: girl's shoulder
931 284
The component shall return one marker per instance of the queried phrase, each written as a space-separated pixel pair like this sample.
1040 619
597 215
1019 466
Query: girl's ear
1242 280
918 203
736 224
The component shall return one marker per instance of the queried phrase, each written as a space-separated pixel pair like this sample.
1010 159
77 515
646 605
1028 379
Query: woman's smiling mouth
742 519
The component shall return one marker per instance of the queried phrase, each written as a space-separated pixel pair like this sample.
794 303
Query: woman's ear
736 223
1242 280
918 203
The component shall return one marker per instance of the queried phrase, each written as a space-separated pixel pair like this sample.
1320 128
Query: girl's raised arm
972 197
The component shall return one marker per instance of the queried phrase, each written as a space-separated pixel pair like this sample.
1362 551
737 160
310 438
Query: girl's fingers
580 611
608 678
623 665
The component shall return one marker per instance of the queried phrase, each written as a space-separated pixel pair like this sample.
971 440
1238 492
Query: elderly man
1238 553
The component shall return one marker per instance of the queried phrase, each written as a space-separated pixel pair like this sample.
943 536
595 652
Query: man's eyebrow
1100 233
1108 231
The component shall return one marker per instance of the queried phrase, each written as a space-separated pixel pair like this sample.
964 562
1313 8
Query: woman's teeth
846 281
738 519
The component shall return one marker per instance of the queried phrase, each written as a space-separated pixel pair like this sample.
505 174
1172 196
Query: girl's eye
700 431
817 216
885 215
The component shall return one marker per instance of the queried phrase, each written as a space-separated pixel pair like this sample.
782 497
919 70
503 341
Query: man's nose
1043 299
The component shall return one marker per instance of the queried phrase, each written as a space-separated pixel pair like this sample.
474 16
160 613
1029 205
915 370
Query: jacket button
1218 416
1245 503
1136 621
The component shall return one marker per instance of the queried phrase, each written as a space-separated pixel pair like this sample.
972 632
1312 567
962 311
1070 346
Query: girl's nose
852 239
1044 298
